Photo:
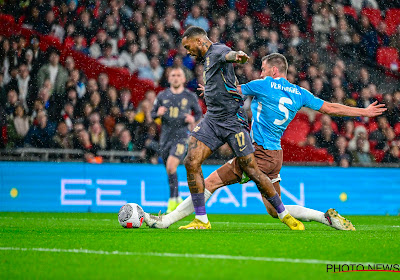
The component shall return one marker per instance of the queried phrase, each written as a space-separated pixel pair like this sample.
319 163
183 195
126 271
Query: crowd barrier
82 187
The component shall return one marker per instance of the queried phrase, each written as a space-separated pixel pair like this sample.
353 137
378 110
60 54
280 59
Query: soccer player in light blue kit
275 103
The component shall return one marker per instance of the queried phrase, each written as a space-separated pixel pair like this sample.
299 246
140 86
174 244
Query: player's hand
201 88
161 111
374 110
241 57
189 119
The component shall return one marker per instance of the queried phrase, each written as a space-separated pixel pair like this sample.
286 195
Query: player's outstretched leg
264 185
330 218
219 178
197 153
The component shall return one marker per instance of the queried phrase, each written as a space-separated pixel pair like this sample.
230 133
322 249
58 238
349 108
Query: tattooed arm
237 57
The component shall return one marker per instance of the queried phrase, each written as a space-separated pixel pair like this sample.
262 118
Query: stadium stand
112 51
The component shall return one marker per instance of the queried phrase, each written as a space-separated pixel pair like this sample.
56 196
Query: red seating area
388 57
374 15
392 20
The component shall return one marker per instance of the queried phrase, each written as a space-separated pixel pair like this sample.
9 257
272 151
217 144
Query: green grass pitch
41 246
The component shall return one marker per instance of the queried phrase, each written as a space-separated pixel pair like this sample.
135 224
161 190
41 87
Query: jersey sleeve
311 101
252 88
221 52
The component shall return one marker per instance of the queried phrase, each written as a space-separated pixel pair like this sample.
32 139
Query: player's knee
252 174
191 163
171 169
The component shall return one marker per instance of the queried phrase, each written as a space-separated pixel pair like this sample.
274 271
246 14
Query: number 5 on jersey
283 109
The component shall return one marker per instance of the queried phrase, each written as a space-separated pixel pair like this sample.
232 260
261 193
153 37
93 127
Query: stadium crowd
46 104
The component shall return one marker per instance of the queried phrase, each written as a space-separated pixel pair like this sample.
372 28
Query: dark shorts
214 134
269 162
176 148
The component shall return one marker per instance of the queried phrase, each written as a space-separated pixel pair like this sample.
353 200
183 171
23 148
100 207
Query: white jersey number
283 109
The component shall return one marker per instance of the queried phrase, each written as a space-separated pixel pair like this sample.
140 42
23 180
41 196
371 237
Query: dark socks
277 203
199 203
173 185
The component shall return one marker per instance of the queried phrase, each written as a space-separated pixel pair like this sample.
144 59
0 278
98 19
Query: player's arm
236 57
371 111
158 110
198 113
154 110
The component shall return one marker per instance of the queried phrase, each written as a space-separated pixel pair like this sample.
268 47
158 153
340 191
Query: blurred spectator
68 115
369 38
108 59
323 22
17 127
40 135
359 5
393 111
125 141
98 135
378 136
114 138
360 156
86 145
360 132
86 25
103 83
38 57
62 139
392 155
340 150
151 145
326 137
12 102
348 130
133 58
195 18
364 80
56 73
24 86
125 100
365 98
111 99
97 48
80 44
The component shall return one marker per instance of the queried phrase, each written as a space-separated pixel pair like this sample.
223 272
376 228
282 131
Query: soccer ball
131 215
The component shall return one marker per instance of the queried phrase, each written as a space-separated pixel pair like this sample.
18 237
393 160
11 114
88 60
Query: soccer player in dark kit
224 122
175 106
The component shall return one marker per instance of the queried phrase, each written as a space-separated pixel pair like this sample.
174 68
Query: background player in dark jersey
223 123
175 106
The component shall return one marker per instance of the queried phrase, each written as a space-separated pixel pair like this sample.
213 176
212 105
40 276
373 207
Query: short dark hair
278 60
194 31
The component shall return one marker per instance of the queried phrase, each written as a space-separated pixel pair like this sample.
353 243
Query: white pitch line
190 256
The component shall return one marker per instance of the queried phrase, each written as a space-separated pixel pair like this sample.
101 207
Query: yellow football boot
173 203
292 223
197 224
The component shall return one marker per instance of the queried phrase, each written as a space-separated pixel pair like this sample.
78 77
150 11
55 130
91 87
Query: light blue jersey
275 104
